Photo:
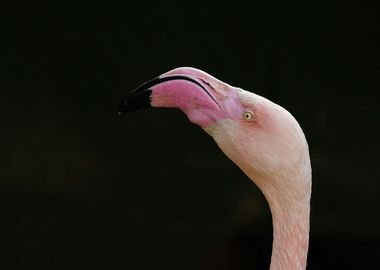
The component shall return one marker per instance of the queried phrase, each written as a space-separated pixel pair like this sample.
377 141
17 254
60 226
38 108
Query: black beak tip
122 107
135 101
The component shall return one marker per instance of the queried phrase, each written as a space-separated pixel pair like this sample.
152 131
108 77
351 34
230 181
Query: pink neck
290 235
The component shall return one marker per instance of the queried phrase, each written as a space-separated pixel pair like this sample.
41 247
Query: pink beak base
190 96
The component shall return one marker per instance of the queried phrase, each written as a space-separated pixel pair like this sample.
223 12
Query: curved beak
141 96
203 98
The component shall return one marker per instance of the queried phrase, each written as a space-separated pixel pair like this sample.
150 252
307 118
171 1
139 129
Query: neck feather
290 208
288 196
290 235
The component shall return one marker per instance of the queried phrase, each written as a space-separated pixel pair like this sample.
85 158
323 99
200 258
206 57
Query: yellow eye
248 116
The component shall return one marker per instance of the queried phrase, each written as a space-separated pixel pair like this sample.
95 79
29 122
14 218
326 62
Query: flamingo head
261 137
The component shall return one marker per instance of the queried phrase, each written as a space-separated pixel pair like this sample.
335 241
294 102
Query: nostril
207 83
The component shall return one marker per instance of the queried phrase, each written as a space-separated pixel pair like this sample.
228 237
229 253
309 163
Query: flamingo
262 138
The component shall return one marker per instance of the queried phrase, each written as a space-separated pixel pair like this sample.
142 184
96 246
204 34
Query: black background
83 188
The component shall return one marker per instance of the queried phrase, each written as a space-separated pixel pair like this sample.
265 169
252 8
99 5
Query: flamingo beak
203 98
141 97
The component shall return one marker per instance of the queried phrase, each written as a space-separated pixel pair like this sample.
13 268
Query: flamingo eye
248 116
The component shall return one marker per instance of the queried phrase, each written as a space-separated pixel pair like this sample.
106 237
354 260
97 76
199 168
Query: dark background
83 188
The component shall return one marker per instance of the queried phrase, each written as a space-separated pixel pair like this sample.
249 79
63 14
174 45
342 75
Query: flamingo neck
288 195
290 236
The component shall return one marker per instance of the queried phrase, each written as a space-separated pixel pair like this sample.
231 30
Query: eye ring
248 116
